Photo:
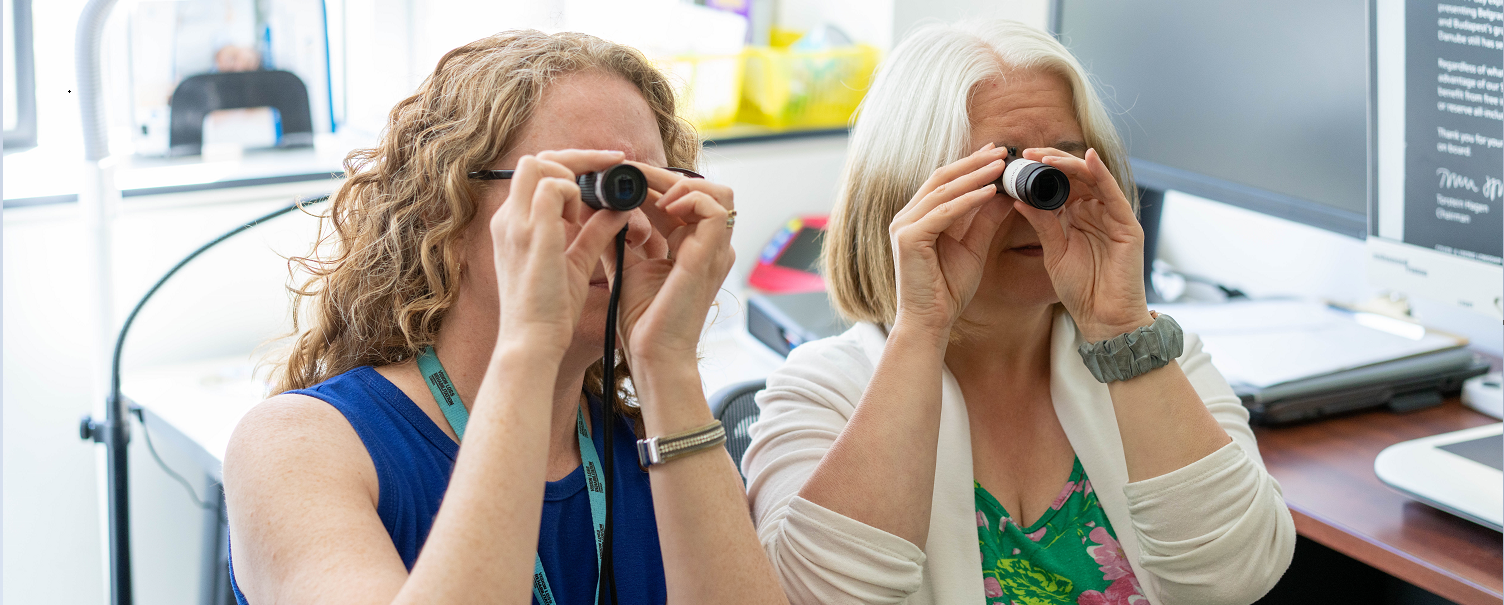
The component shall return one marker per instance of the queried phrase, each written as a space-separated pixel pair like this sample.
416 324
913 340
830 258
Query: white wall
883 23
908 14
1259 254
774 182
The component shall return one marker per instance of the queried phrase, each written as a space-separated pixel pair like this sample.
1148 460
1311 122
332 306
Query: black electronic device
1401 385
785 321
621 187
1262 105
1035 183
198 96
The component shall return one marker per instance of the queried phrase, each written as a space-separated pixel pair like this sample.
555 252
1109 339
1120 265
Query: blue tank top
414 458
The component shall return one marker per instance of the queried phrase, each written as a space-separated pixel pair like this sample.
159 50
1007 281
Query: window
20 102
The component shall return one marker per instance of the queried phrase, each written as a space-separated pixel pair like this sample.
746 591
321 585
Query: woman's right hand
547 243
941 237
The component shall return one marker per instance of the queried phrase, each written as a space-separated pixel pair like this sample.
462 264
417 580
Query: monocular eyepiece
1035 183
621 187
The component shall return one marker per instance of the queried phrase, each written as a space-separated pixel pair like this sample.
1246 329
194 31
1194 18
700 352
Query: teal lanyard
449 402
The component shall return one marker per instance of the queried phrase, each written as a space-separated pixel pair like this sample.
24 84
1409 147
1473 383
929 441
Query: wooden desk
1326 470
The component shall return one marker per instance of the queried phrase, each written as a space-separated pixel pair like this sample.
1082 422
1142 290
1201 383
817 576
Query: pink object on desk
787 264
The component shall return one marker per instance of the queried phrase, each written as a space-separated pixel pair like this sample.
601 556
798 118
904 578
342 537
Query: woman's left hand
1093 247
668 292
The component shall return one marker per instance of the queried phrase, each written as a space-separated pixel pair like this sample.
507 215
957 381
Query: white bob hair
914 120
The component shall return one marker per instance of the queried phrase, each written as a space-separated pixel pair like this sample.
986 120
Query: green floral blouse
1069 556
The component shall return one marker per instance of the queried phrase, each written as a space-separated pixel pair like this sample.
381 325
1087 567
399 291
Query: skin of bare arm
1093 250
710 548
303 492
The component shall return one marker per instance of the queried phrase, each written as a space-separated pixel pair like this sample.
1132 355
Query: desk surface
1326 470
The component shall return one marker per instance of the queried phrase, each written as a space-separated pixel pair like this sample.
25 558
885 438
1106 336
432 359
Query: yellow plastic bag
708 87
789 89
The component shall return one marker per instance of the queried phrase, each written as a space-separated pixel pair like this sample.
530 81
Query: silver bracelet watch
658 450
1128 355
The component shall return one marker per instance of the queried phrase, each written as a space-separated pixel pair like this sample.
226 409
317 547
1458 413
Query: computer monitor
1261 105
1437 219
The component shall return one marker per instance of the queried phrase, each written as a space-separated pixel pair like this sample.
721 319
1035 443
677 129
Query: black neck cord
607 590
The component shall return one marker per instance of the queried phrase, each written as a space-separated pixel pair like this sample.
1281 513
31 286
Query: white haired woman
955 446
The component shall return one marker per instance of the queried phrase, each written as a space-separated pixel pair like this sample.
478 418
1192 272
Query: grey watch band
1128 355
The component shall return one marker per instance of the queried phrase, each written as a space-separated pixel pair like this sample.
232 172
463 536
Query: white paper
1263 343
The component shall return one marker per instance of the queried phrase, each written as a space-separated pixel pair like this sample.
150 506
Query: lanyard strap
455 412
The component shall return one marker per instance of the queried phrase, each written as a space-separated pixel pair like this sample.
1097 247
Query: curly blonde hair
387 261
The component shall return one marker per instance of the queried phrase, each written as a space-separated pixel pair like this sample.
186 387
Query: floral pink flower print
993 588
981 519
1086 487
1070 487
1108 554
1121 592
1035 536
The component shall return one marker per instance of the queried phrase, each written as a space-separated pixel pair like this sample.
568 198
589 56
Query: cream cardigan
1216 531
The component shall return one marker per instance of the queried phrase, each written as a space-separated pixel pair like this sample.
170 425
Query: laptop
1402 385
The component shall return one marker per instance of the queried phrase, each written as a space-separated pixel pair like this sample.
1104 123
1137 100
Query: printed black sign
1454 160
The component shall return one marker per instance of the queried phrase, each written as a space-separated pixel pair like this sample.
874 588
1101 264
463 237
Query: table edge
1400 564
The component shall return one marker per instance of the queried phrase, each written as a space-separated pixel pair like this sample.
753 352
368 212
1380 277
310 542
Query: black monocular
621 187
1035 183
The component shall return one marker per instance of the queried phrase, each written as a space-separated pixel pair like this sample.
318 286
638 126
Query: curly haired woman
351 486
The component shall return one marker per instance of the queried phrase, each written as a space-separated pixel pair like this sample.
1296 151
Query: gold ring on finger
731 219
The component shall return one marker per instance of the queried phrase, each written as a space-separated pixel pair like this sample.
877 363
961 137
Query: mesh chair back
736 407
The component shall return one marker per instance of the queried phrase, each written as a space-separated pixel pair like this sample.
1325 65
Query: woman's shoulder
291 450
293 438
837 368
296 430
294 417
856 347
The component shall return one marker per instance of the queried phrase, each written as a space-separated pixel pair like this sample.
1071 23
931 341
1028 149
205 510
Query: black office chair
200 95
735 406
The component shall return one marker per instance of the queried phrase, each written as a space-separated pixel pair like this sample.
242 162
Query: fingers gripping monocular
1035 183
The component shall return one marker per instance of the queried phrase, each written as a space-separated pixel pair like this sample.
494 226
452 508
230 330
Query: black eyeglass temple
501 175
491 175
